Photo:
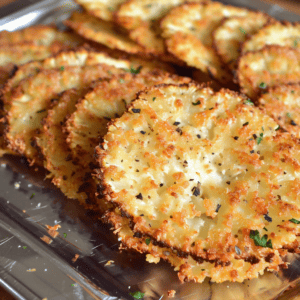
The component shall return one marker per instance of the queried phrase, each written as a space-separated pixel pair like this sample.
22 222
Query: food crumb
31 270
171 293
24 211
75 258
52 230
110 262
46 239
17 185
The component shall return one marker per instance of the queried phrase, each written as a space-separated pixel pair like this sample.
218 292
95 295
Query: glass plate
31 269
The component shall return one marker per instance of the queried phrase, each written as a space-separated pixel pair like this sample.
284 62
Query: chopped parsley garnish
288 115
24 247
262 129
62 68
40 111
137 295
293 92
248 102
196 103
263 85
260 241
65 235
133 70
245 123
265 229
72 284
33 194
242 30
260 138
153 99
295 43
294 221
121 80
147 241
111 8
277 128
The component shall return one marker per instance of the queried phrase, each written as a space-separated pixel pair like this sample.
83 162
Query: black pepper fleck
136 110
139 196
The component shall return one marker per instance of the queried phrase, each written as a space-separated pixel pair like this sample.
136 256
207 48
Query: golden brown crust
232 32
101 32
274 33
190 39
142 18
32 98
107 101
282 103
102 9
273 65
211 163
68 175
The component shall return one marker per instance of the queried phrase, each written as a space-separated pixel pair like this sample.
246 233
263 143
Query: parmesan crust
32 97
274 33
229 36
107 101
282 103
188 32
216 175
41 35
102 9
101 32
67 174
273 65
188 268
141 19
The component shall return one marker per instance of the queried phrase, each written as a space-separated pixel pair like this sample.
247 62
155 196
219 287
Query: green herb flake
242 30
24 247
265 229
65 235
111 8
260 241
40 111
295 43
196 103
121 80
147 241
294 221
293 92
62 68
137 295
288 115
262 129
248 102
72 284
149 5
260 138
263 85
202 269
33 194
132 70
153 99
277 128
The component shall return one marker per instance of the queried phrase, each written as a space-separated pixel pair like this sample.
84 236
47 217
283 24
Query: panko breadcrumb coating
214 175
229 36
271 66
282 103
107 101
188 32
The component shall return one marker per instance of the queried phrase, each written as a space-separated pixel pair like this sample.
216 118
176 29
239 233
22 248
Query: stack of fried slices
205 178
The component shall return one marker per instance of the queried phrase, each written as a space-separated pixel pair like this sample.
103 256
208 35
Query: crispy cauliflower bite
274 33
189 269
107 101
209 173
101 32
282 103
102 9
188 30
270 66
229 36
142 18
